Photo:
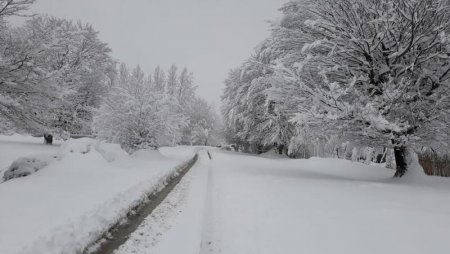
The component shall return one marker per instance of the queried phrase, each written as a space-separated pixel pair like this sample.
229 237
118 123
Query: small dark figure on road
48 139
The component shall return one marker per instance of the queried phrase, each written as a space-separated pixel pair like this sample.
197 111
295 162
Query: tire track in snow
211 237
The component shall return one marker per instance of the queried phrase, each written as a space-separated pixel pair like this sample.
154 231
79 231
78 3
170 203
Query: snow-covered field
247 204
86 189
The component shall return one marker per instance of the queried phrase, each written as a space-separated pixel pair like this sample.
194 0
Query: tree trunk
48 139
280 149
400 160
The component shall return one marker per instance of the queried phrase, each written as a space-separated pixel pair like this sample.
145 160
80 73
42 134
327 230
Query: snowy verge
71 203
17 146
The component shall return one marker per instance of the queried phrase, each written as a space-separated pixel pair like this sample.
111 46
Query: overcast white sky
207 36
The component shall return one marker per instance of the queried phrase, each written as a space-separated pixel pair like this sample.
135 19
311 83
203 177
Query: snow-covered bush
23 167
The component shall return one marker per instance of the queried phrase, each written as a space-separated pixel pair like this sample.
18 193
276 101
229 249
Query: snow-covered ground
86 189
234 203
247 204
15 146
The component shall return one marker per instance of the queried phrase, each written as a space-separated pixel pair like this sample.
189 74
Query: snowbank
67 205
110 152
181 152
150 154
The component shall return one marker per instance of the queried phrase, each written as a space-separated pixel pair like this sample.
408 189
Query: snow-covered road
238 203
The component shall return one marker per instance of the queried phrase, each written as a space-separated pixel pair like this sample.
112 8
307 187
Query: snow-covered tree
10 8
172 80
15 68
137 115
159 79
378 70
202 124
53 74
186 87
371 72
259 117
80 65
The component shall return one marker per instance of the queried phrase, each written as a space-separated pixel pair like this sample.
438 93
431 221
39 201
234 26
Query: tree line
58 77
154 110
339 74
